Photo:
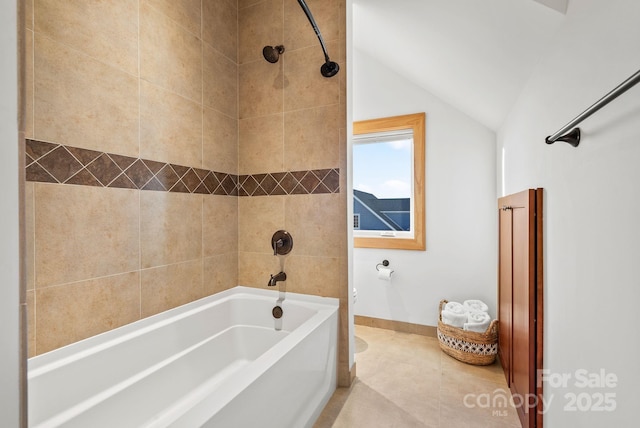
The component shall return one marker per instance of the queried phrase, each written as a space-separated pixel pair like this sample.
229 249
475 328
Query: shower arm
312 21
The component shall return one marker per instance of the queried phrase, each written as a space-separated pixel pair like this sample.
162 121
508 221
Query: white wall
9 220
460 261
592 211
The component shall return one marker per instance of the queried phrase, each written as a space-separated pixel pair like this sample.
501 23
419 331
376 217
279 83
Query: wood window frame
415 122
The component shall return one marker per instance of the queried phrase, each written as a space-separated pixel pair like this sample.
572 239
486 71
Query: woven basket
470 347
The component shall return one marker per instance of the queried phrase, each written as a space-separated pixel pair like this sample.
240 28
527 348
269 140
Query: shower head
329 68
272 53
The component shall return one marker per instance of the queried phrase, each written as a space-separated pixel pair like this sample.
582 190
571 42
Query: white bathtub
222 361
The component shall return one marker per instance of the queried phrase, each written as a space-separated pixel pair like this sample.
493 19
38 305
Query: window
388 182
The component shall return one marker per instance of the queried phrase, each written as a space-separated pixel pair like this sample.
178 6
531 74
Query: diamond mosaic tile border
290 183
57 163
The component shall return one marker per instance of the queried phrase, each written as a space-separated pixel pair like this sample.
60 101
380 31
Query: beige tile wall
155 79
181 82
292 118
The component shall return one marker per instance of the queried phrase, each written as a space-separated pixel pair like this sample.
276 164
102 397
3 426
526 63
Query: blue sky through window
383 168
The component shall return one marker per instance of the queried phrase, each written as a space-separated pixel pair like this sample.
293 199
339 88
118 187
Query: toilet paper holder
384 273
384 263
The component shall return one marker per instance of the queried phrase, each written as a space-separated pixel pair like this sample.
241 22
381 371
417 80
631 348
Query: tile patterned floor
405 380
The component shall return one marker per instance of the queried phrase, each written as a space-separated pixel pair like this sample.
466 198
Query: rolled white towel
477 321
455 307
476 305
453 319
454 314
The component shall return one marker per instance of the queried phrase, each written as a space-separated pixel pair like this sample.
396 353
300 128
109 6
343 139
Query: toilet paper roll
384 274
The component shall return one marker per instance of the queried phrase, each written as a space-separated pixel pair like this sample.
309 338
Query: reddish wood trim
532 291
539 303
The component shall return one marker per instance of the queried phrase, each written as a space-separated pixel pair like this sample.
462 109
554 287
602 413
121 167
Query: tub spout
277 277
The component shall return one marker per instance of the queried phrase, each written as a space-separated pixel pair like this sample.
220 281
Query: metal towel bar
573 137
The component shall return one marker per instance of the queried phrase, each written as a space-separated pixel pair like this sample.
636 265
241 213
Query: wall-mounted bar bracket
572 137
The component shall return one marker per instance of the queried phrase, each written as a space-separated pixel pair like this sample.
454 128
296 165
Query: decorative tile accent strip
290 183
57 163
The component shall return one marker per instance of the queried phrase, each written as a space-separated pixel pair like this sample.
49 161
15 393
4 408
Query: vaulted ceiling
476 55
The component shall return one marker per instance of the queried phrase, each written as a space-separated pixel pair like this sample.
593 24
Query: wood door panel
520 296
504 293
523 348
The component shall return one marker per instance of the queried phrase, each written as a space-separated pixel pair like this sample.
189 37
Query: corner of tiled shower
165 151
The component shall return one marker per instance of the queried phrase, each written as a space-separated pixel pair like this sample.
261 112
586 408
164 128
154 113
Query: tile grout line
284 70
237 130
139 155
202 160
78 281
33 73
35 300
